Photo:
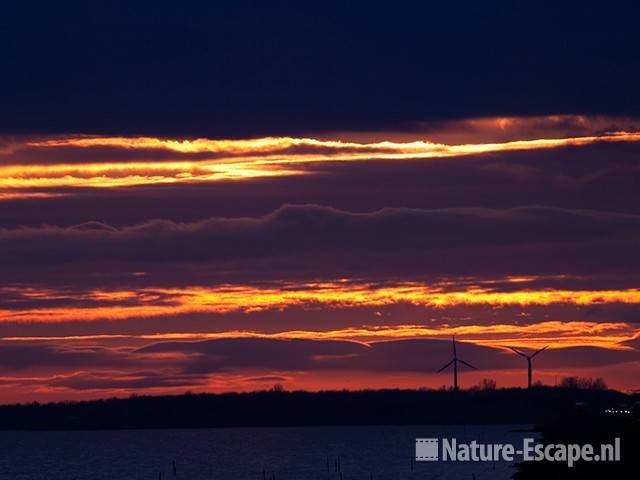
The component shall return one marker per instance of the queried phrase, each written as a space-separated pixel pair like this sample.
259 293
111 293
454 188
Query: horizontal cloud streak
532 240
26 165
58 306
184 364
555 333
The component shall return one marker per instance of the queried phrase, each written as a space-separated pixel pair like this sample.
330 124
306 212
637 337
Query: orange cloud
244 159
148 302
331 149
26 195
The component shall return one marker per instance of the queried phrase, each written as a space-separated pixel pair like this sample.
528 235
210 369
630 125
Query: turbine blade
454 346
540 351
467 364
447 365
519 352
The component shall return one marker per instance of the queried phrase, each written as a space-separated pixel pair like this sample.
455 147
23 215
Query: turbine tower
455 362
529 358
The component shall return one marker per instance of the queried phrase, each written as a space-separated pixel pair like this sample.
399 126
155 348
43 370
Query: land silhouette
578 411
277 407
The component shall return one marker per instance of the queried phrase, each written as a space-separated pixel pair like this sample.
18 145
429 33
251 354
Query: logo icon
426 449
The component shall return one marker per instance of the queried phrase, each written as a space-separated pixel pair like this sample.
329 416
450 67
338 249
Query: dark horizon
541 405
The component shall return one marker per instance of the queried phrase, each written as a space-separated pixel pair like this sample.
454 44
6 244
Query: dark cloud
420 355
267 378
318 241
126 381
295 354
242 68
614 312
50 357
584 357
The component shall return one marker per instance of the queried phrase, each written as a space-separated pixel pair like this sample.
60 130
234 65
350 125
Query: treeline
282 408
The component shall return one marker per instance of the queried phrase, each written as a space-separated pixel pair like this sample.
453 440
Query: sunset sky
227 197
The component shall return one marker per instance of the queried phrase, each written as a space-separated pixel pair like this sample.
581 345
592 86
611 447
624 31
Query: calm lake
378 452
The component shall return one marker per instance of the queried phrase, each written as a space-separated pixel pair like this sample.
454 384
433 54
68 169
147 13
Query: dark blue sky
238 68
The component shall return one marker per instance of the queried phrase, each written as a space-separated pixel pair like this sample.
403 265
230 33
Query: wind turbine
529 358
455 362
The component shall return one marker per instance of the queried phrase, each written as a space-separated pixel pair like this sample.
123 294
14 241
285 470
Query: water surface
304 453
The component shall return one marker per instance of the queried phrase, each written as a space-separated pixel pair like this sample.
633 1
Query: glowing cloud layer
236 159
149 302
235 264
